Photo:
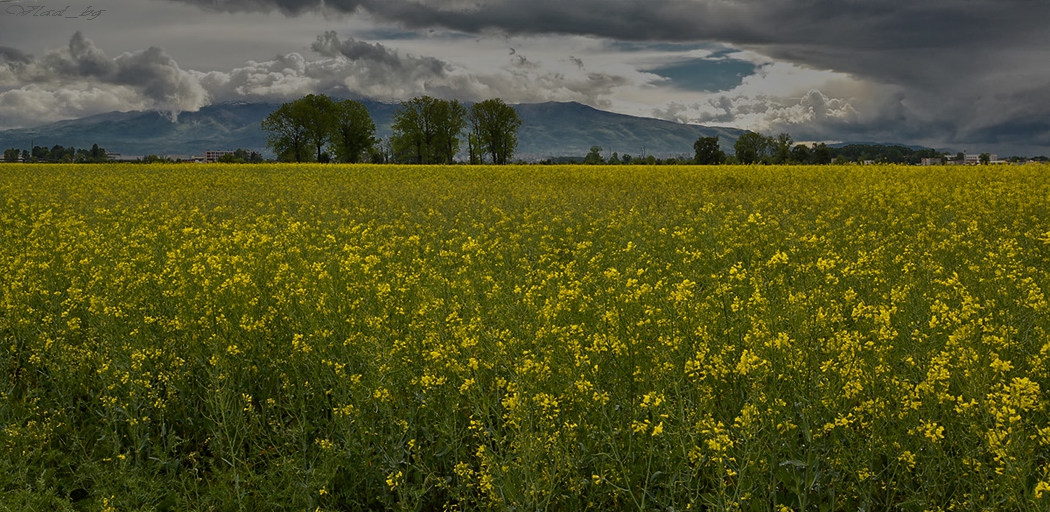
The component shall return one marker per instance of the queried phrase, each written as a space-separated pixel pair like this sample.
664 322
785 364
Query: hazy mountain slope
548 129
567 129
224 126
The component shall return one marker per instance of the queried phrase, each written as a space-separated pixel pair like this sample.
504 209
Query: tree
61 154
426 130
708 152
98 154
11 155
475 153
594 157
241 155
750 147
303 128
494 130
450 119
884 153
382 152
412 133
353 132
985 158
289 133
155 159
801 154
41 154
319 113
780 146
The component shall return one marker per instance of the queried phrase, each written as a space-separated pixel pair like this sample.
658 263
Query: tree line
750 148
238 156
71 154
884 154
57 153
755 148
425 130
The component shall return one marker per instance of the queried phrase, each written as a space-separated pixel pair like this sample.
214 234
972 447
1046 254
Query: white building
214 156
976 159
117 157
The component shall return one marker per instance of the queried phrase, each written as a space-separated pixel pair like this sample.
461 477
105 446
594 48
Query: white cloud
778 97
33 104
146 78
373 70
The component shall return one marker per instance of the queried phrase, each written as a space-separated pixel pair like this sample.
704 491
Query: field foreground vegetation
356 337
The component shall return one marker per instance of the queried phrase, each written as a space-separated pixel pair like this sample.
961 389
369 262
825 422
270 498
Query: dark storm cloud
291 7
949 59
1030 125
13 55
83 59
907 42
871 24
896 41
329 45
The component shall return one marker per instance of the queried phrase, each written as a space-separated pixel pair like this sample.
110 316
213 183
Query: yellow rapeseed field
323 337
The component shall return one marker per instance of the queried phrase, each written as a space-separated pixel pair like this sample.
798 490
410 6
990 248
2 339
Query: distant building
932 161
214 156
117 157
969 159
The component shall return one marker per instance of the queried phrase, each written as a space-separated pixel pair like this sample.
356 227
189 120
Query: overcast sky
971 75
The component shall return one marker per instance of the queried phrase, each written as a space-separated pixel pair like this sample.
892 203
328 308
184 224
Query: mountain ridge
551 129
